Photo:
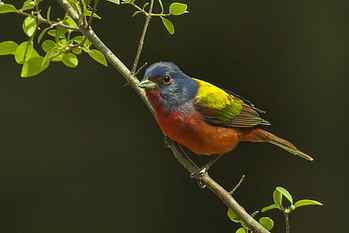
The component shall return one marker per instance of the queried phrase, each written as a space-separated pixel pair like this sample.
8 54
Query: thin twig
48 22
287 223
141 40
238 184
94 9
205 179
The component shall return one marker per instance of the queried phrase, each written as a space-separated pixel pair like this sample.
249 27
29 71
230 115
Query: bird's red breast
190 130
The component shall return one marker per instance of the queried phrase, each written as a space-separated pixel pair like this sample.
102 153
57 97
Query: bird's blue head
165 83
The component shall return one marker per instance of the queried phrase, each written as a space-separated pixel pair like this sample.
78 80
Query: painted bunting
202 117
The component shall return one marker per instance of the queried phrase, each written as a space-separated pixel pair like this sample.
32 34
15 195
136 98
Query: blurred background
81 153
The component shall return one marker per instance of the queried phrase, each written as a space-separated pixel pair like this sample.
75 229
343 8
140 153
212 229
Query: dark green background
81 153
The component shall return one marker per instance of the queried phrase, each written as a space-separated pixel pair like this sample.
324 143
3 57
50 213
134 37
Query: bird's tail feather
260 135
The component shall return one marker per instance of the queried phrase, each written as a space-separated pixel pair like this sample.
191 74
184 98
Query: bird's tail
260 135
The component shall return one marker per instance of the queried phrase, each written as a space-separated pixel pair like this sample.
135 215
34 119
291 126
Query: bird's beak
147 84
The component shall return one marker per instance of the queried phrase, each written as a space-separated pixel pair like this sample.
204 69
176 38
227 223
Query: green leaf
177 8
285 193
232 216
33 67
114 1
241 230
7 8
269 207
54 54
29 25
70 22
8 47
47 45
88 13
267 222
277 197
70 60
58 34
25 51
87 44
98 56
78 39
28 5
168 25
77 51
306 202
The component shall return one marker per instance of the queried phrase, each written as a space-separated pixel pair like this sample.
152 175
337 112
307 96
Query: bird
204 118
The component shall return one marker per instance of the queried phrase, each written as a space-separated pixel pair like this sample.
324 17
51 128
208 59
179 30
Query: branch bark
186 162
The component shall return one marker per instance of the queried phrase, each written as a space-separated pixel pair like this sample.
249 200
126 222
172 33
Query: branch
287 223
204 178
141 41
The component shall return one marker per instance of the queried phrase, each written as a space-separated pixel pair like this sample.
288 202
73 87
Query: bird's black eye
166 80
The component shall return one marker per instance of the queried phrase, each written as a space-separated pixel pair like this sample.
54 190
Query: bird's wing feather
223 109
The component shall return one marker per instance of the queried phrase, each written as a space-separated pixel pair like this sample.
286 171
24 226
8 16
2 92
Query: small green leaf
168 25
8 47
285 193
87 44
77 51
98 56
306 202
7 8
114 1
177 8
88 13
232 216
241 230
29 25
277 198
28 5
269 207
78 39
52 32
47 45
54 54
267 222
58 34
25 51
33 67
70 60
70 22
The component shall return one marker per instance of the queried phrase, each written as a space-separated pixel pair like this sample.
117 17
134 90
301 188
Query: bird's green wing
223 109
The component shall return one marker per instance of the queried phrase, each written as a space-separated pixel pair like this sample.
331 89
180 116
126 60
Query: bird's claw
200 172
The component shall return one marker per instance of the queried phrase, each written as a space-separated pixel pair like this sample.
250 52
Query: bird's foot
198 174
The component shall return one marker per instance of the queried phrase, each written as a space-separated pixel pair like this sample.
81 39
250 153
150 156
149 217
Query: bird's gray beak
147 84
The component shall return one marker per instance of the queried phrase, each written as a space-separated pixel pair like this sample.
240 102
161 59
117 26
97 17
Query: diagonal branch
204 178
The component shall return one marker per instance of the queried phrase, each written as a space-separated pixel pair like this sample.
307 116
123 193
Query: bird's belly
198 136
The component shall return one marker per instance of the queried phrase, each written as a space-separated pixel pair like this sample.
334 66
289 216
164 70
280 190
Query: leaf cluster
59 39
174 9
280 196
